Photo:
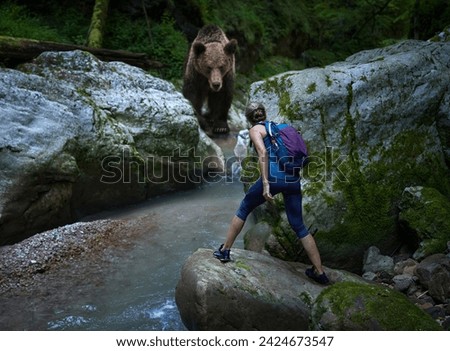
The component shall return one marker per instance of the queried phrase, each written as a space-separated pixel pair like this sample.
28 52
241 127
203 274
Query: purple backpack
289 146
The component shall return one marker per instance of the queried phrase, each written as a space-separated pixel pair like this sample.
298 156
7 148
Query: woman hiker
272 181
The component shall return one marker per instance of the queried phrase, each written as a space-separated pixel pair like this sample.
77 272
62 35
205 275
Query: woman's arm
256 135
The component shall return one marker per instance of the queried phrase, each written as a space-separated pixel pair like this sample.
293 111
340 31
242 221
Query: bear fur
209 75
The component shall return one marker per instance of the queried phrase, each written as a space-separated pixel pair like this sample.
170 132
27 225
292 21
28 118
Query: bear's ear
199 48
231 47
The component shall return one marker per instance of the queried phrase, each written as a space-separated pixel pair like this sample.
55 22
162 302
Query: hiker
272 181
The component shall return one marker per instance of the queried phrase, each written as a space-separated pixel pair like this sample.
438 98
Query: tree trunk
99 16
14 51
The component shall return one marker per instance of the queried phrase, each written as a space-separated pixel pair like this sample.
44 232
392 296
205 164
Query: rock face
374 124
80 135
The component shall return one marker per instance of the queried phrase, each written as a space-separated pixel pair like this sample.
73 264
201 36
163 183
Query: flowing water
135 289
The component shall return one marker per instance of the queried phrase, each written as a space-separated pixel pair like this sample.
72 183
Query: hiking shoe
320 278
222 255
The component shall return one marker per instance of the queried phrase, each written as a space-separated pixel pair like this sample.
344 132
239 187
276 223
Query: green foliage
163 43
126 34
430 17
343 29
274 65
71 24
17 21
310 33
261 23
169 47
319 58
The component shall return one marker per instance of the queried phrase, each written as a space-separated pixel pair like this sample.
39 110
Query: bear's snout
216 80
216 86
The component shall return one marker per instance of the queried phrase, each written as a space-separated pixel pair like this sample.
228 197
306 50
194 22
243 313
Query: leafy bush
162 42
170 47
16 21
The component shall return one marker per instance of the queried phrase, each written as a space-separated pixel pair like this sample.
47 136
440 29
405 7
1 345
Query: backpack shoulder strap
271 128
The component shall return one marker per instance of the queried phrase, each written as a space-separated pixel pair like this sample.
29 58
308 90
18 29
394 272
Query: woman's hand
266 191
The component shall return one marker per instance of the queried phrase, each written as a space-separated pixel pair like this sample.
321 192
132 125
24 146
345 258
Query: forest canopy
273 36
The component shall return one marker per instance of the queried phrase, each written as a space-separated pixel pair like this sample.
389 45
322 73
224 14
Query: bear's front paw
221 127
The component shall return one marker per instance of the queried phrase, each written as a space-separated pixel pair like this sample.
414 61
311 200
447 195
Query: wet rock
255 238
405 267
375 262
434 274
371 276
446 324
436 312
402 282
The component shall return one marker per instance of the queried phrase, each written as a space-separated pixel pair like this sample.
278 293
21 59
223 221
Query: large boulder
80 135
374 124
253 292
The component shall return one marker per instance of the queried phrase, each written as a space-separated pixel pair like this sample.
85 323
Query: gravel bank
30 262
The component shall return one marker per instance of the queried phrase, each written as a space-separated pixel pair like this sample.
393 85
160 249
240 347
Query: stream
135 290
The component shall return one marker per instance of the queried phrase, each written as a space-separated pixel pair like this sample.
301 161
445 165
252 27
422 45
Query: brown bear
209 75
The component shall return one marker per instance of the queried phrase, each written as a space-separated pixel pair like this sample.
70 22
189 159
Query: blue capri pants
292 201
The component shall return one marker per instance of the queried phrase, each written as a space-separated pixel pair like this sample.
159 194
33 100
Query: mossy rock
355 306
426 212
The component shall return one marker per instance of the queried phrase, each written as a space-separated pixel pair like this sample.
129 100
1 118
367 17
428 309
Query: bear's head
214 60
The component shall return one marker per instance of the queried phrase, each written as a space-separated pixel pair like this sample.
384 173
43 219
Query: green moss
306 298
243 265
429 217
312 88
250 169
370 307
378 58
371 194
280 85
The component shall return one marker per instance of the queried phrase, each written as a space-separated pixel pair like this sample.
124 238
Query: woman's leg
312 251
234 229
253 198
293 205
